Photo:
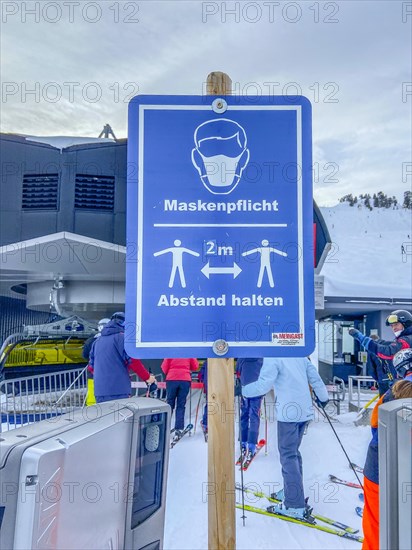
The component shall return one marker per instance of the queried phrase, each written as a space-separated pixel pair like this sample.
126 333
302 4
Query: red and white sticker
287 338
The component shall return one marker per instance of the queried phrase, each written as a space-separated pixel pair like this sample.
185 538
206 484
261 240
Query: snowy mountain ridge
371 253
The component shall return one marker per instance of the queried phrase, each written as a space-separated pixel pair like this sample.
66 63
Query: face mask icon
220 155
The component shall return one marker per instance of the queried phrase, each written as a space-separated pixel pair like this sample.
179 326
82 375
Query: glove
320 403
355 333
361 338
152 390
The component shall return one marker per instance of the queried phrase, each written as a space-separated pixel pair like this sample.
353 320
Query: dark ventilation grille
94 192
40 191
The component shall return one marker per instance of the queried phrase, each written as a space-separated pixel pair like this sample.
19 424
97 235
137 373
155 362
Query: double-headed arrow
207 270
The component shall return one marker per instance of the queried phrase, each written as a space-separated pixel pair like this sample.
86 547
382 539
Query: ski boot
300 514
309 508
250 455
177 434
279 495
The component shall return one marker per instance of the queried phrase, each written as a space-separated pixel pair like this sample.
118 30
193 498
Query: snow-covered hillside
366 258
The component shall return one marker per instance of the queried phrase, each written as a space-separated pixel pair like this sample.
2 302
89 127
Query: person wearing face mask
400 322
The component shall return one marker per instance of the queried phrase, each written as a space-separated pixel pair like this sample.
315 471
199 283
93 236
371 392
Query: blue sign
219 227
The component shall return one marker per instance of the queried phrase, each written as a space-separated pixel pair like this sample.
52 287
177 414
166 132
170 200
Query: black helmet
399 316
402 361
118 316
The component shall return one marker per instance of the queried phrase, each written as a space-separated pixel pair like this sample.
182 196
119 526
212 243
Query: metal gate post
392 444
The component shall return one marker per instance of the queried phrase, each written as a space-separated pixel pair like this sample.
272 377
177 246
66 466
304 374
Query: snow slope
366 258
186 509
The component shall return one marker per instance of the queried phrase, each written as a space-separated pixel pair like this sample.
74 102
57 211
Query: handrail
33 398
31 344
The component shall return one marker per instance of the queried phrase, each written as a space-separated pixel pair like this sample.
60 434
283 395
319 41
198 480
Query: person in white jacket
290 377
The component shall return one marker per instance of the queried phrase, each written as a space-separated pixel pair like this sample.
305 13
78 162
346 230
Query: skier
248 371
291 378
178 380
400 322
203 379
381 370
111 364
402 362
87 348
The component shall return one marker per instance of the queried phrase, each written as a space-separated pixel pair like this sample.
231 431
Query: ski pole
387 370
343 448
190 402
363 409
266 426
71 385
241 465
197 411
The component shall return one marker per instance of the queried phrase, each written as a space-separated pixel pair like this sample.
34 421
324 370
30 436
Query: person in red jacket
178 380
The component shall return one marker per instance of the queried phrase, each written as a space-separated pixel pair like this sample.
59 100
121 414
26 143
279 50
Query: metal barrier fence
360 395
337 391
33 398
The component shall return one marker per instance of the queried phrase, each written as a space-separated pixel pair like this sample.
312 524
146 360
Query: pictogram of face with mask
220 155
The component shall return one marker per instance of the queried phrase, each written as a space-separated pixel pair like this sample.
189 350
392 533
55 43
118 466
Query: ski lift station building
63 245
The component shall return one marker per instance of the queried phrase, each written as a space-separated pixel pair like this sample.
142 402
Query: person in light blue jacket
290 377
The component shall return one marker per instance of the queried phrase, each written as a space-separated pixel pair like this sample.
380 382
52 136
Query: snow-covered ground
186 511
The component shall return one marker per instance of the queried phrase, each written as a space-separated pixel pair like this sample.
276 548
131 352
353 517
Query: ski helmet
402 361
399 316
118 316
102 323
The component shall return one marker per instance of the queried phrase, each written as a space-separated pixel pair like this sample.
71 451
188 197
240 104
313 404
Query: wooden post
218 84
221 411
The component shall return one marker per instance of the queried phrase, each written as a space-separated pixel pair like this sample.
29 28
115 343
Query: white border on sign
140 225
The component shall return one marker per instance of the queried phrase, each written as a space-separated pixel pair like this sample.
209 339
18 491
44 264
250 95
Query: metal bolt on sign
220 347
219 105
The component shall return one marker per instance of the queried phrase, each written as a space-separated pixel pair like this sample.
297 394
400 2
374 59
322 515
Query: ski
247 462
355 467
335 479
359 511
177 438
325 528
324 519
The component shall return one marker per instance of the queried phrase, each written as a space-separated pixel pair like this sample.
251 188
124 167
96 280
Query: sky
70 67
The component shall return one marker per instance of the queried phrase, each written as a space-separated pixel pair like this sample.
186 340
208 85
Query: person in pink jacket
178 380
